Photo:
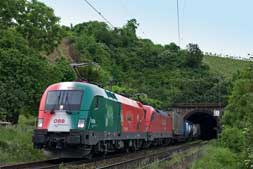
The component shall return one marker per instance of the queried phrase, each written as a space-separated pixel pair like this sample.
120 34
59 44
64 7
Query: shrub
233 138
16 145
217 158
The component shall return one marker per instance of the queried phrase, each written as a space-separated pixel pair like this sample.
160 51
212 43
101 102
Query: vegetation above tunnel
161 74
155 74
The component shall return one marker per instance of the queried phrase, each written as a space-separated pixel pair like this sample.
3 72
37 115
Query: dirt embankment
64 49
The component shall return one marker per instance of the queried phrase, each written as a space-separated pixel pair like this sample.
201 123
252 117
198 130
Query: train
78 119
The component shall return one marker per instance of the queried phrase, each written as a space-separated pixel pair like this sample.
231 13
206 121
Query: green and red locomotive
77 118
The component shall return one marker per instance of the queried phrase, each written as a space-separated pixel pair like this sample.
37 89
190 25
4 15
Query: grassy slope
225 66
216 157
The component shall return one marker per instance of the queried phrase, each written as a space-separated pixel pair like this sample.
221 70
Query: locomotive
76 119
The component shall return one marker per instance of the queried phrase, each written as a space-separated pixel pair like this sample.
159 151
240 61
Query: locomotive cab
62 105
63 119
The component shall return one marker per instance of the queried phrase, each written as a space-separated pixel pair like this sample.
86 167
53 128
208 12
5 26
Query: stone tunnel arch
209 124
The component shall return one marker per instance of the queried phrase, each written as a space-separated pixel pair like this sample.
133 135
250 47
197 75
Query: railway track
45 164
137 159
121 160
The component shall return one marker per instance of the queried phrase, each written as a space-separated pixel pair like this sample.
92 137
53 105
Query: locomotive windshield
64 99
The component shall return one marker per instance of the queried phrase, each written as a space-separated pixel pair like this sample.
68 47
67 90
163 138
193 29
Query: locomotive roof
96 90
164 113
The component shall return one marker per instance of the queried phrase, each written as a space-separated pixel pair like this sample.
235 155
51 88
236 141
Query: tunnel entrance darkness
207 122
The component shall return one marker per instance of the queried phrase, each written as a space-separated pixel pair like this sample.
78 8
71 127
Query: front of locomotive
62 120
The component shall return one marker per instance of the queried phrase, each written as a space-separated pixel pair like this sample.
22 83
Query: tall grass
225 66
16 143
217 157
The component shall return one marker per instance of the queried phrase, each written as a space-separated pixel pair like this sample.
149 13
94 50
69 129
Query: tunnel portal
207 115
208 124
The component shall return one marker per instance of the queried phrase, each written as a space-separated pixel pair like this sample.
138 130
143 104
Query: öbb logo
59 121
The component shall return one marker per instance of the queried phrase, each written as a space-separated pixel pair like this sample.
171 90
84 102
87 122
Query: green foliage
194 56
24 74
34 20
238 118
233 138
17 72
237 134
123 90
149 101
133 93
63 70
227 67
240 105
154 74
27 28
19 149
217 157
165 74
94 75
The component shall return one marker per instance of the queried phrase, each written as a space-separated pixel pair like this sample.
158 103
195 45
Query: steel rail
56 163
148 159
44 164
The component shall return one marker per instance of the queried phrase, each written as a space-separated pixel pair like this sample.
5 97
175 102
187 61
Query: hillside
162 74
36 51
220 65
225 66
155 74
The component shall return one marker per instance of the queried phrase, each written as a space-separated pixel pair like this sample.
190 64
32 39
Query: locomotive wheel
89 156
127 149
134 147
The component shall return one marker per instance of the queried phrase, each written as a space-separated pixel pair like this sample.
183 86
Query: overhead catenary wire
182 22
100 14
178 24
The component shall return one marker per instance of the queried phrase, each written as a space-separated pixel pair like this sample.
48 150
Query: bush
233 138
217 158
24 75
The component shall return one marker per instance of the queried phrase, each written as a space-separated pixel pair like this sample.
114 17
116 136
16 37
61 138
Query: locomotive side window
153 117
129 118
69 99
96 102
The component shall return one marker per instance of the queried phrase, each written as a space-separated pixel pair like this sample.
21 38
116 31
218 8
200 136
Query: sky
218 26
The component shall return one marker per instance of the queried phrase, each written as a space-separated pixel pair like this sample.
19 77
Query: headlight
40 123
81 124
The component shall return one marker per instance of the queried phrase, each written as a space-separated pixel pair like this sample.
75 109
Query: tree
64 71
34 20
128 33
22 80
147 67
11 12
24 75
131 26
172 47
194 56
